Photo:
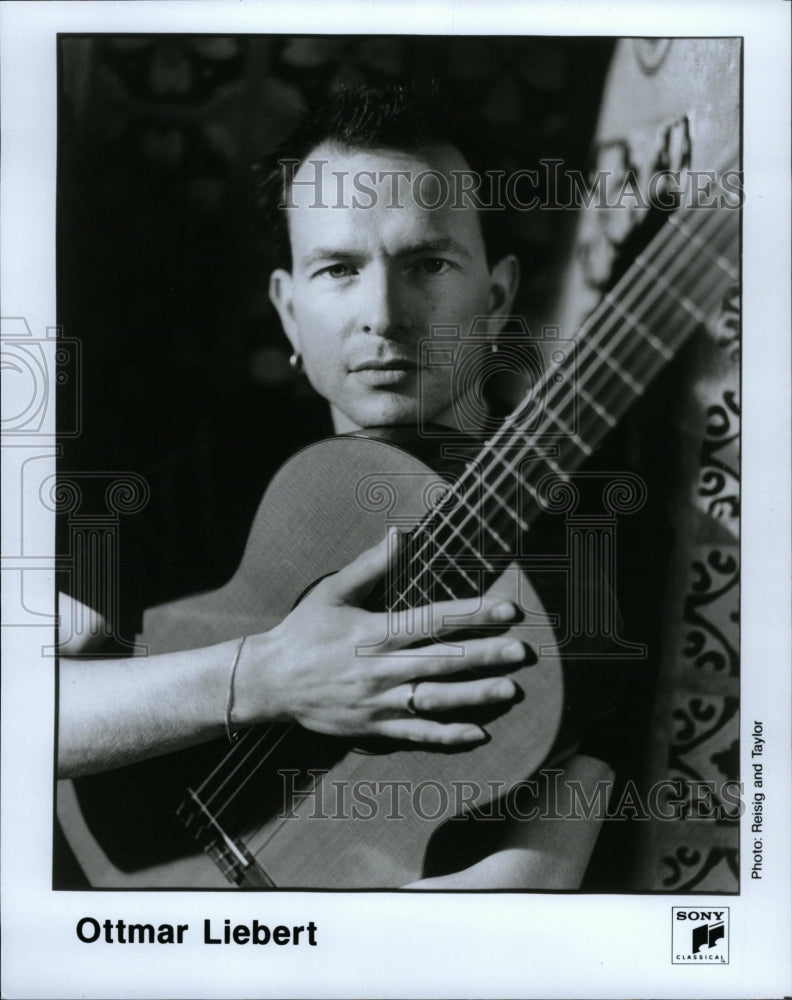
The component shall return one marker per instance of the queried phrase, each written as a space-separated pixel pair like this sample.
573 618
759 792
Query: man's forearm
114 712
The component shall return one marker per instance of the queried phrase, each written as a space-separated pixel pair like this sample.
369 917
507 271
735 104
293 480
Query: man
371 269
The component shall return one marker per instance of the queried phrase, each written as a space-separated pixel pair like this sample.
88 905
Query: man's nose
384 305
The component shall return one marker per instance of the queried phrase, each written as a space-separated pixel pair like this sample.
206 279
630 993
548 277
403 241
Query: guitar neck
671 289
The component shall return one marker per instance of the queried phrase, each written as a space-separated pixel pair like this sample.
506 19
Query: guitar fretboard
671 289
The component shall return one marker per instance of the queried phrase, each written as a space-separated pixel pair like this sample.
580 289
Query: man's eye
434 265
338 270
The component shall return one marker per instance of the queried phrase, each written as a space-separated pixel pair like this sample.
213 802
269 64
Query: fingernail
503 689
504 612
473 733
513 651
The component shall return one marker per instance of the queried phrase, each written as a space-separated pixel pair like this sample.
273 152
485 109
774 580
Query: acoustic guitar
286 807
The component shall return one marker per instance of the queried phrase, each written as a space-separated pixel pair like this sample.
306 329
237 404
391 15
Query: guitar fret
442 548
728 269
438 579
490 489
458 533
505 507
638 325
444 585
416 586
556 468
504 545
572 435
687 304
628 380
597 407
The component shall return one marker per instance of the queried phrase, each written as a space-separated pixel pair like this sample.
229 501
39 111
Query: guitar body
370 820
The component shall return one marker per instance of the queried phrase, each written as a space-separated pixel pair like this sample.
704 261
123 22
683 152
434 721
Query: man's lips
384 365
384 373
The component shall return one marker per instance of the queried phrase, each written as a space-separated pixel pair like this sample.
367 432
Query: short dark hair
404 117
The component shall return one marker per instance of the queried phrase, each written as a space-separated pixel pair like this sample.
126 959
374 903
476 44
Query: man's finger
447 617
428 697
502 653
428 731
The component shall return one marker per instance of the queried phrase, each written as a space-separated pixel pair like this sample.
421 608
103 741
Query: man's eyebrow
443 244
329 253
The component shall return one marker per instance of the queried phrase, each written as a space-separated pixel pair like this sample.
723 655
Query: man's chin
384 410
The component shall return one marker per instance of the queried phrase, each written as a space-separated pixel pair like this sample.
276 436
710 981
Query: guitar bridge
230 855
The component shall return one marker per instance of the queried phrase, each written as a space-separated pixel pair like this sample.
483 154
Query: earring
494 347
296 362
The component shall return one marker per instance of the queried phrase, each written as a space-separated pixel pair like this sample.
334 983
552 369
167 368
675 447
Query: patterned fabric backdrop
683 113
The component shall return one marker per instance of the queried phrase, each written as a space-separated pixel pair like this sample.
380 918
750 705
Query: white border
390 944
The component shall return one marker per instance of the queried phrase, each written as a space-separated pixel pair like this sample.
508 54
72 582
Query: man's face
372 272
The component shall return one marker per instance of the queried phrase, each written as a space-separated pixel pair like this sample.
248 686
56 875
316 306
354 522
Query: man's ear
280 293
504 281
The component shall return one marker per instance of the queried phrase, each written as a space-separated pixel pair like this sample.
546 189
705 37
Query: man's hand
338 669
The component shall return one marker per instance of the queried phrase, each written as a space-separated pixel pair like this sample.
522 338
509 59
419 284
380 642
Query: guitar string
257 742
655 248
509 466
439 564
262 736
594 348
501 520
587 347
610 300
261 760
250 750
554 417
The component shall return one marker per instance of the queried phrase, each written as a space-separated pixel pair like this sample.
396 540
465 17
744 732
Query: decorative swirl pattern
625 494
726 326
719 479
688 867
60 495
127 494
375 494
435 494
706 644
556 494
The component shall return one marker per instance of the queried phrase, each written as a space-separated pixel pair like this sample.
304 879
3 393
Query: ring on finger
411 709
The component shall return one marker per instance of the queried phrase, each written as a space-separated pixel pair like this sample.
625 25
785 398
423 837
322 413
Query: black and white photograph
398 551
